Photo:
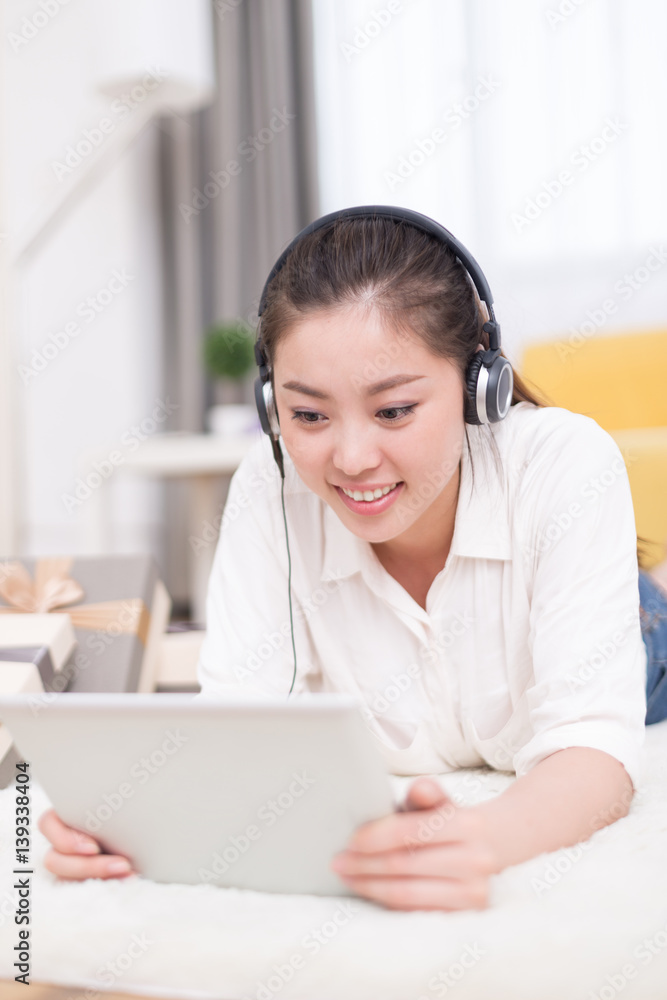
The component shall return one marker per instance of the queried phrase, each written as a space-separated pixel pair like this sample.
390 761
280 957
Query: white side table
200 458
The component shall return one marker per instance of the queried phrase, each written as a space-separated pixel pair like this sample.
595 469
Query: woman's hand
75 855
440 856
437 856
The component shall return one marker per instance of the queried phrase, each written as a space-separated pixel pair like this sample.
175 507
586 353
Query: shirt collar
481 527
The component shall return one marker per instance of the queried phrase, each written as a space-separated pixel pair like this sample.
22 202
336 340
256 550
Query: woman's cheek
306 459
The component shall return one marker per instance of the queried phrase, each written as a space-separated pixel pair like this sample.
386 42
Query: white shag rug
579 924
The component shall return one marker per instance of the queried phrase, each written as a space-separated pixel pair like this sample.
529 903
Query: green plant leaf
229 350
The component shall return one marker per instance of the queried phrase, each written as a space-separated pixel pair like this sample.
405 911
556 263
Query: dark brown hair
414 281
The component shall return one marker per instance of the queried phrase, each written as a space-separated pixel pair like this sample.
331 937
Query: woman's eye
392 414
402 411
302 416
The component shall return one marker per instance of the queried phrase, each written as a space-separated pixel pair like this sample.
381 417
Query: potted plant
229 357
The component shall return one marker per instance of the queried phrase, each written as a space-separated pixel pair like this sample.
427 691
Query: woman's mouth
370 501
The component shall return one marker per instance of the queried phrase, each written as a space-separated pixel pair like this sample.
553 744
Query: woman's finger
425 793
423 893
455 861
405 829
64 838
72 866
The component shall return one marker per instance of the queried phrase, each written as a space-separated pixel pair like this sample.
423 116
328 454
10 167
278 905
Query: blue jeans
653 614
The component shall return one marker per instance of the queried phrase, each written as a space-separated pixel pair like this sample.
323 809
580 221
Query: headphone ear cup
266 408
499 389
489 390
472 378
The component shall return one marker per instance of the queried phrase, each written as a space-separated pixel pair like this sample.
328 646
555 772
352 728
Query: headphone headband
489 379
419 221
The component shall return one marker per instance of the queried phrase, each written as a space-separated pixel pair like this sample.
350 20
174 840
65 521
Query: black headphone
489 377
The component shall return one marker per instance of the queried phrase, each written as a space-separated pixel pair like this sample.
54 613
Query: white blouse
530 641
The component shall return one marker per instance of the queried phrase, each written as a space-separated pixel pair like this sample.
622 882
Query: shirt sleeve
589 660
248 642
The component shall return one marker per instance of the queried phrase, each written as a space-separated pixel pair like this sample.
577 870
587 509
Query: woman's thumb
425 793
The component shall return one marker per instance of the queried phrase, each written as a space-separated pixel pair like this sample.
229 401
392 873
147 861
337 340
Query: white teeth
368 494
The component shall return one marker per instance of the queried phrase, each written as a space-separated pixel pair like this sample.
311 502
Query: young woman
470 575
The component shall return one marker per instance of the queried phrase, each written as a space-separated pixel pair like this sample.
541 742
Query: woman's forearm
561 801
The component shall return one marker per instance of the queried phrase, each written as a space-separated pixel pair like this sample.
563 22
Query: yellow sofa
621 382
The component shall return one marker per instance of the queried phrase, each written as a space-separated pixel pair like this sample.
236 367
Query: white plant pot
233 418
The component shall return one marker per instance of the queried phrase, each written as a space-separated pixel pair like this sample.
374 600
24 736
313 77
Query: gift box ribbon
53 589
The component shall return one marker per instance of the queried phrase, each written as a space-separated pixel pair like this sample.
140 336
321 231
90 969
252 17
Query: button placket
440 689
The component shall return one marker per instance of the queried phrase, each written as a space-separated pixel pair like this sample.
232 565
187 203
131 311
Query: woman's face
345 429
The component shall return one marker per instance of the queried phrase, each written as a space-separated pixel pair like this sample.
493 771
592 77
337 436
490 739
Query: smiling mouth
368 495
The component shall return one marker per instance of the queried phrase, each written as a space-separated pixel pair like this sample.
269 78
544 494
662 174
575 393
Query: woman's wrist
562 801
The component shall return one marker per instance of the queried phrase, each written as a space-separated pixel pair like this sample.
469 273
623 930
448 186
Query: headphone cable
289 578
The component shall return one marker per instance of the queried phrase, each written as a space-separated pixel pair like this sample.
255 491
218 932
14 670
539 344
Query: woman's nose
355 451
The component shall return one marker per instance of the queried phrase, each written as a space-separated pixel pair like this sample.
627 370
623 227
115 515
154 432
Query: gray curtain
237 181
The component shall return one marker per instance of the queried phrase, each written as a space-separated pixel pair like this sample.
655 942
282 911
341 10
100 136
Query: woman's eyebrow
373 390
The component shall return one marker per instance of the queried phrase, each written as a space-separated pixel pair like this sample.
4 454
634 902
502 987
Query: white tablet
235 791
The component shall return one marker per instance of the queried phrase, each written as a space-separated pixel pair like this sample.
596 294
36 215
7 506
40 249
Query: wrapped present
117 605
16 677
45 640
178 658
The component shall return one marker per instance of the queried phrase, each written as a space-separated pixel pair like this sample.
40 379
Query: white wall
99 381
107 377
390 73
81 205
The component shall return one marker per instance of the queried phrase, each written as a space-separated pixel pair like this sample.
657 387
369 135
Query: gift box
16 677
178 659
45 640
33 651
117 605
